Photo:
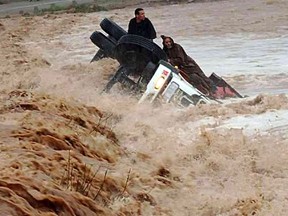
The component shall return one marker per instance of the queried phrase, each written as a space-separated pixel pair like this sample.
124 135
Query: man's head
139 14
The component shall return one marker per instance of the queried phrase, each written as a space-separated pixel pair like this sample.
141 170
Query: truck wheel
112 29
135 52
100 54
104 43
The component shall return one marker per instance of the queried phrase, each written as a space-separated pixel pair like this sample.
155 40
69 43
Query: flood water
256 60
217 159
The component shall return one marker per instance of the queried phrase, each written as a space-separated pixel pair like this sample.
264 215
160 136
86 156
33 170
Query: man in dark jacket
190 69
140 25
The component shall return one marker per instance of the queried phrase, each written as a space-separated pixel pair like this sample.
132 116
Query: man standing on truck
141 25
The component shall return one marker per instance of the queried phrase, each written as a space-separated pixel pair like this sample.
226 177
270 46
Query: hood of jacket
163 38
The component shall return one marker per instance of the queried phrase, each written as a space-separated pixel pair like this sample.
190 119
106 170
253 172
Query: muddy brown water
227 159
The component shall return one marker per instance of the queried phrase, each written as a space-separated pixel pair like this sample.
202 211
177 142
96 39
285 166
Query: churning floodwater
262 62
249 60
250 63
214 159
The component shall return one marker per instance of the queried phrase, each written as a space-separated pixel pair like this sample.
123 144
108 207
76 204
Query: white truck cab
168 84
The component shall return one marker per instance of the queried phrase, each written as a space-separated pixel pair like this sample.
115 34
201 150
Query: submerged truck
144 69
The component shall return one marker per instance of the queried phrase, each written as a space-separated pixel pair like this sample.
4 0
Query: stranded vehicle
144 69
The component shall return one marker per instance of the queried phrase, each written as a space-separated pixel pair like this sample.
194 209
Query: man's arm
178 56
131 28
176 61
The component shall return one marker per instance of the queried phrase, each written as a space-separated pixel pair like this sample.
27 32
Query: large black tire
100 54
104 43
135 52
112 29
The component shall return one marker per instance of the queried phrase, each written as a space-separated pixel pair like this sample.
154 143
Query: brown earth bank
48 167
56 158
136 1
